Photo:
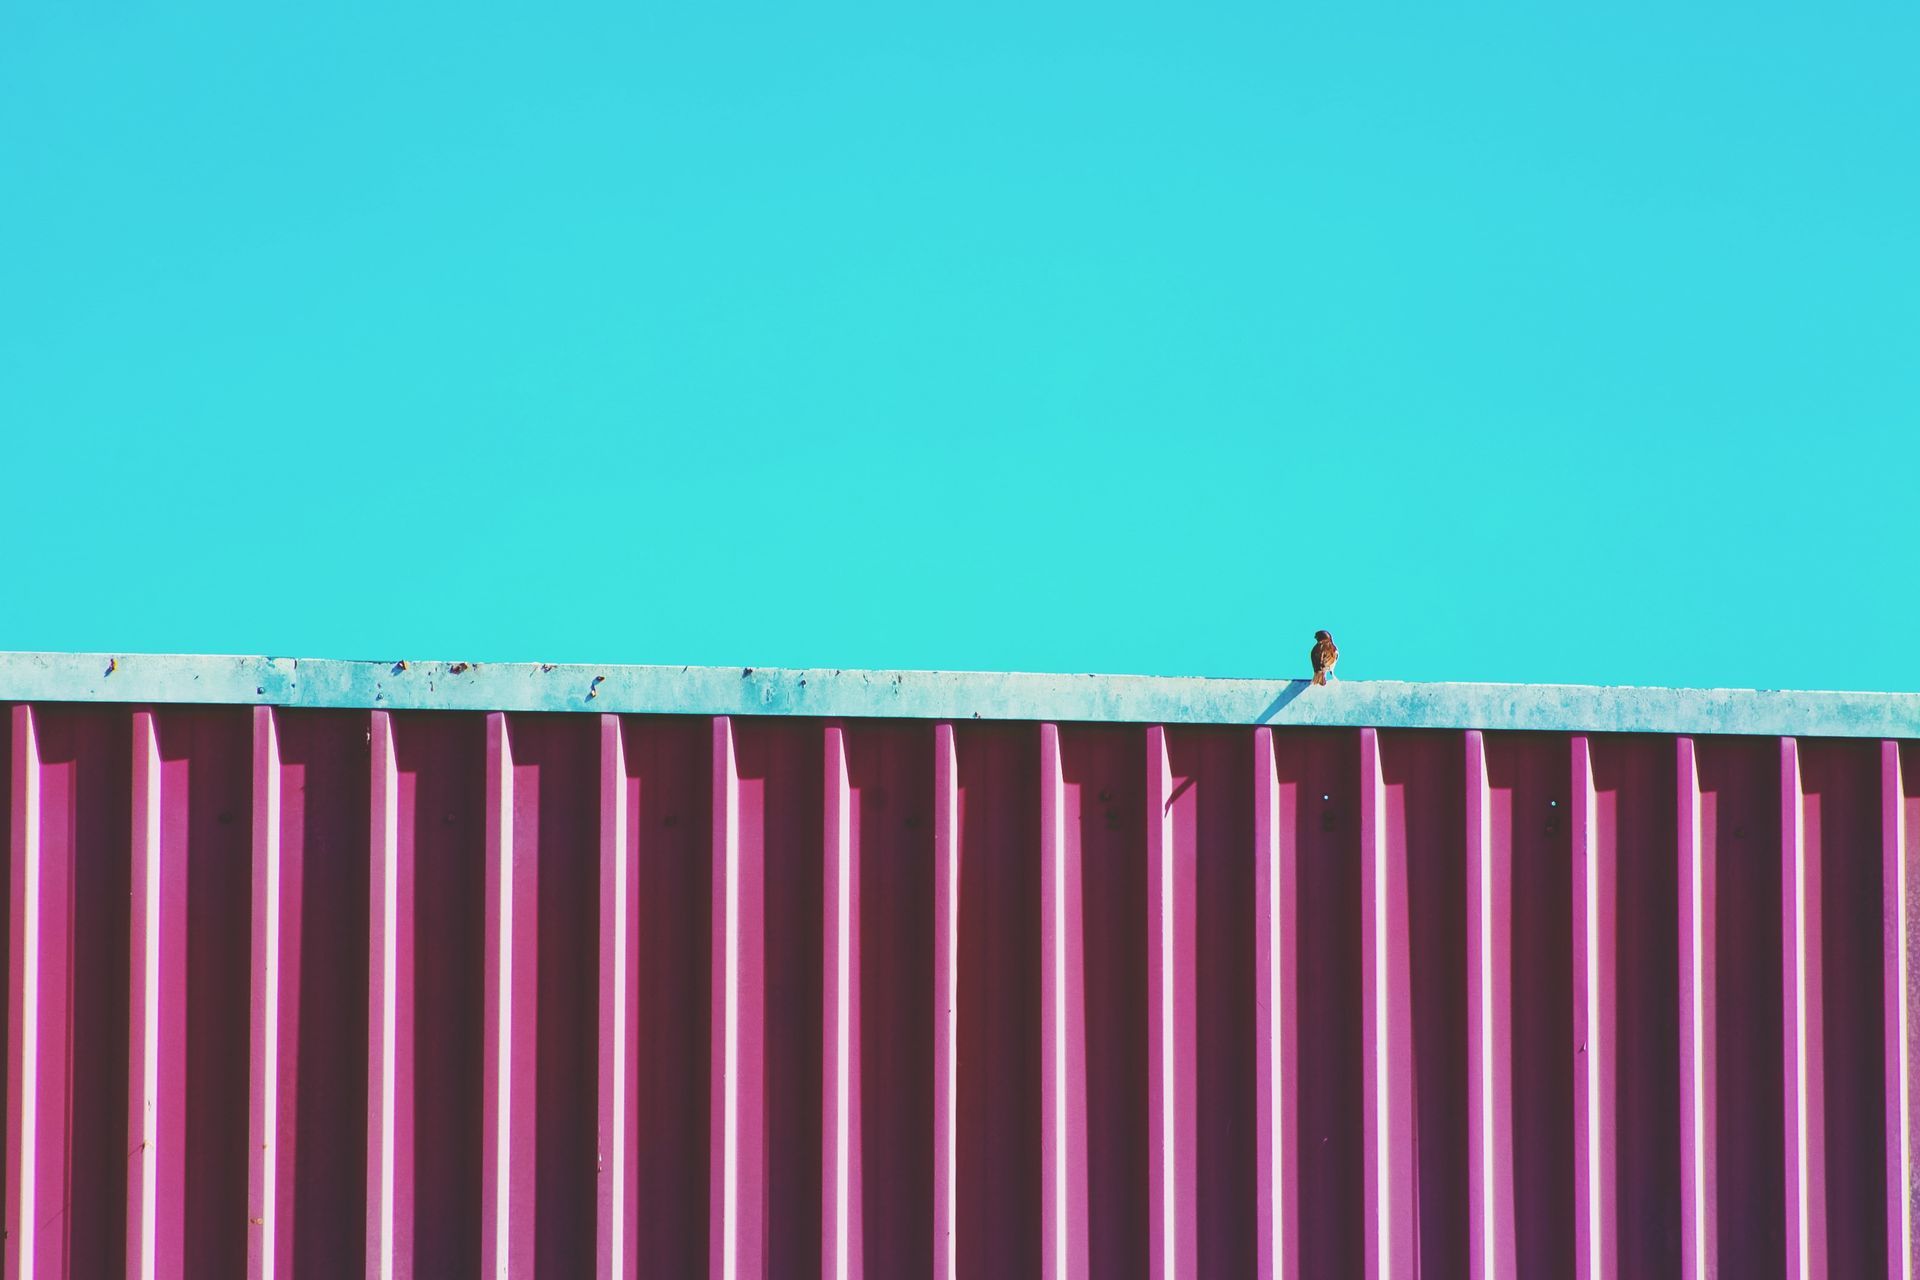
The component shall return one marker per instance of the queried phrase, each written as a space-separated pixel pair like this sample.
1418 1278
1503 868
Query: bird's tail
1320 677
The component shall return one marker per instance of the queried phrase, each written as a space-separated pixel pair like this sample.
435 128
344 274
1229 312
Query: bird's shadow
1293 690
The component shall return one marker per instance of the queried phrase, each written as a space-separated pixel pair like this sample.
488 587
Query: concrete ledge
944 695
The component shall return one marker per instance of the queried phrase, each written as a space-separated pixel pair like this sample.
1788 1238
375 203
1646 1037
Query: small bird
1323 656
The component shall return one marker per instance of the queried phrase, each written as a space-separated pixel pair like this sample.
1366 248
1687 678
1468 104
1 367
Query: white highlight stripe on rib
1485 854
1382 1168
29 996
1061 1222
148 744
1698 968
1169 1194
270 1050
1276 1002
1591 854
730 1152
389 981
503 1030
953 1009
1802 1148
1898 801
843 1003
617 1225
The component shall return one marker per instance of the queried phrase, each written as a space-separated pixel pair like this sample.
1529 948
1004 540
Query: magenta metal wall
318 992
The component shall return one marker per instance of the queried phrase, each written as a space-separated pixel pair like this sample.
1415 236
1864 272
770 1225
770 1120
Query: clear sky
1515 344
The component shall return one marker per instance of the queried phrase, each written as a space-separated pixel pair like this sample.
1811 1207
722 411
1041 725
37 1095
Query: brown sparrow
1324 655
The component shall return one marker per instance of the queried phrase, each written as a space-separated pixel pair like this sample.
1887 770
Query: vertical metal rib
1377 1064
383 957
1173 1033
946 1002
496 1173
1595 963
23 1017
1898 1023
1489 1025
1802 1053
1162 1082
264 1009
612 1212
143 999
840 1187
1063 1093
1387 1022
738 1170
1698 1225
1276 907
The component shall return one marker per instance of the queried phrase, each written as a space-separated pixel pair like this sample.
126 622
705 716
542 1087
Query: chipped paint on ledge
943 695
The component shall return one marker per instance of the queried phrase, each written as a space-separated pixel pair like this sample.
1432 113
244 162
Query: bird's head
1326 636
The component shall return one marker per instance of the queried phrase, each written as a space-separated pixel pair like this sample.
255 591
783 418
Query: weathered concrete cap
943 695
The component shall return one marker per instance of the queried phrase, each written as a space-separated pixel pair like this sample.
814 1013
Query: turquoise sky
1510 345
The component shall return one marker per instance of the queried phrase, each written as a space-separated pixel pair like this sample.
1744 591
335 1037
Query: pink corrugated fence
308 992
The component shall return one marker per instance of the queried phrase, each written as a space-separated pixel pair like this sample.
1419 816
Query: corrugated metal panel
311 991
